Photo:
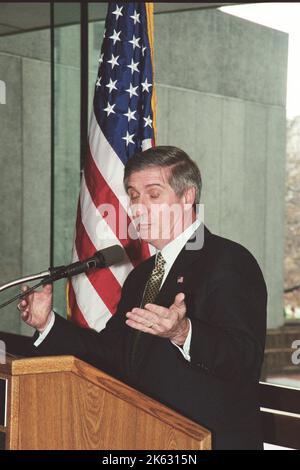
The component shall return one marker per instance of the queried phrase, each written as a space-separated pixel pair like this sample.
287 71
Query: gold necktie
150 294
154 281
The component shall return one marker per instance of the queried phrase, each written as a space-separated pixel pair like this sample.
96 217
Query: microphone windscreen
112 255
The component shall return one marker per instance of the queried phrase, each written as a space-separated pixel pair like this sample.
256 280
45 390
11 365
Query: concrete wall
26 154
25 162
67 149
221 97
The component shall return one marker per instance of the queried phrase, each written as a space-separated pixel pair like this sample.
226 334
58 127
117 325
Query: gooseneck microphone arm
101 259
23 294
22 280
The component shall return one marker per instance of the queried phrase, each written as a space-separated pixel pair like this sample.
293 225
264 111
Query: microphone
101 259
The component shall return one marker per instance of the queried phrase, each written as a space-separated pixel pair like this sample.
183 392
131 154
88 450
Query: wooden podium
63 403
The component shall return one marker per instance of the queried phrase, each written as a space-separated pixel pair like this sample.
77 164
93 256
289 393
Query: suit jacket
226 302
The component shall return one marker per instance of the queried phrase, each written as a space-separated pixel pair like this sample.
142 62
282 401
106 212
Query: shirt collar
174 247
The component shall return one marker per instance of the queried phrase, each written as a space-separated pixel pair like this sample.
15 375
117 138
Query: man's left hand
171 323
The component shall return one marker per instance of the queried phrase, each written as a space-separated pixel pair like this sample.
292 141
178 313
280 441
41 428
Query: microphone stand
46 279
101 259
16 282
46 276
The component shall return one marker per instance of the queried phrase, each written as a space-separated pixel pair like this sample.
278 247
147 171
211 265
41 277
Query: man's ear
189 195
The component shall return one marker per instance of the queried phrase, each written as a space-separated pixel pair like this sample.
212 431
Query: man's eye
154 195
133 197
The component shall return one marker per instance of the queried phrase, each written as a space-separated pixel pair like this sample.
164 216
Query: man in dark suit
190 326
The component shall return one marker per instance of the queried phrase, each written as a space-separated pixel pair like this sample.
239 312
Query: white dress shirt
169 253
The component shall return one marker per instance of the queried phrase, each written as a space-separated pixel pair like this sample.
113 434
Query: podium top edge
38 365
15 365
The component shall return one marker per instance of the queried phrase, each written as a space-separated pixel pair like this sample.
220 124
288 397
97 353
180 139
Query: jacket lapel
180 271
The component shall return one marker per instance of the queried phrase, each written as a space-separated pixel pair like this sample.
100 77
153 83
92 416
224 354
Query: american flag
122 122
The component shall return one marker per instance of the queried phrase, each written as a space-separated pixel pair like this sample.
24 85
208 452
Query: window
282 351
25 153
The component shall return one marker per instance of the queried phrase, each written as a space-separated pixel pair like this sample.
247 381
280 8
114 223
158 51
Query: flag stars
115 37
101 58
148 121
146 85
130 115
118 12
133 66
98 82
135 42
111 85
132 90
113 61
136 17
128 138
110 109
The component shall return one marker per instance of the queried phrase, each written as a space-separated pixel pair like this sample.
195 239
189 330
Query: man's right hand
36 307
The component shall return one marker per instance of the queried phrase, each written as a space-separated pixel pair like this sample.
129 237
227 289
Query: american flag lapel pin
179 279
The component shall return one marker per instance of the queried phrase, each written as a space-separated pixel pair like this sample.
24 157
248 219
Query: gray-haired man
190 326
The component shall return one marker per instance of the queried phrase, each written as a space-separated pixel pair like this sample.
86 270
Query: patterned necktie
154 281
150 294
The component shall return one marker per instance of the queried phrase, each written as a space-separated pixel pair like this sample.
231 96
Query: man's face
159 214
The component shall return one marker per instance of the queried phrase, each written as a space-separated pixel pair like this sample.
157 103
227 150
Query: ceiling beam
29 16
